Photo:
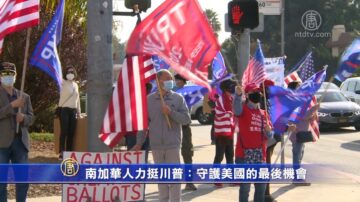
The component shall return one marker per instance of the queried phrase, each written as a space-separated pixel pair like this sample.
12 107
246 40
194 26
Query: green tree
72 51
213 19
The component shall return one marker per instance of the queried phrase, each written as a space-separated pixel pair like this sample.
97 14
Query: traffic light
243 14
143 4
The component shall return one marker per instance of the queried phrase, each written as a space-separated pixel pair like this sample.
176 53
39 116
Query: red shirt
251 131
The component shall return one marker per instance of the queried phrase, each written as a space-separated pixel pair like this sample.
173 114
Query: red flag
178 32
16 15
127 110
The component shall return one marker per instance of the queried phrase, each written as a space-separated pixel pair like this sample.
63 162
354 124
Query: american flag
16 15
255 72
305 71
127 110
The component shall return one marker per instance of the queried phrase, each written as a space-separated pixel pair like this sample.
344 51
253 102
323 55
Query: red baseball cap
251 87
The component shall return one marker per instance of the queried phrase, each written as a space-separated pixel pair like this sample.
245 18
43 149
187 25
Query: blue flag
45 55
288 105
159 63
350 61
218 67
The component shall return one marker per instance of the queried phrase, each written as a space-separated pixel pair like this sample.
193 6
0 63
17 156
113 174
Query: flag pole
265 104
283 147
162 101
24 70
327 86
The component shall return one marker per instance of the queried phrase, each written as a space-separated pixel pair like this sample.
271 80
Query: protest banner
274 70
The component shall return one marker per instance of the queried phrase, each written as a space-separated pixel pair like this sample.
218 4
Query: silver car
337 111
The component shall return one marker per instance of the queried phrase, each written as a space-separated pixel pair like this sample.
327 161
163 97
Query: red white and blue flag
45 55
127 109
350 61
179 33
16 15
255 72
306 70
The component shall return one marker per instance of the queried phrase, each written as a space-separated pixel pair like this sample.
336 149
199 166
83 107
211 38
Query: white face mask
70 77
8 80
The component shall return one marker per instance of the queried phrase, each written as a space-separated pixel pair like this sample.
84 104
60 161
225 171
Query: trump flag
178 32
350 61
45 55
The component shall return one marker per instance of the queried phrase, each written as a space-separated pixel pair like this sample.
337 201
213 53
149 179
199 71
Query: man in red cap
254 131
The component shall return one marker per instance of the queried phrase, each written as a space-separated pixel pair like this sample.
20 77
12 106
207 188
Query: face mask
70 77
8 80
168 85
254 97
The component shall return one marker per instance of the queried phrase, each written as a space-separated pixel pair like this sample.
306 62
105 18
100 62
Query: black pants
187 149
224 145
269 153
67 128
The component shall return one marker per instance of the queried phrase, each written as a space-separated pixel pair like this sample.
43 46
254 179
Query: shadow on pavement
282 190
354 145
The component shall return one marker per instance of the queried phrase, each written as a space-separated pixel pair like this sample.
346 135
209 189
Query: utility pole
282 54
242 47
100 68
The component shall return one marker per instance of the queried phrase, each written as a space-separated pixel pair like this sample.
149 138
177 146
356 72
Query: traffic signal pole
242 46
100 69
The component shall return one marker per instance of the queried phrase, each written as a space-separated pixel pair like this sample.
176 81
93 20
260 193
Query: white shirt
69 95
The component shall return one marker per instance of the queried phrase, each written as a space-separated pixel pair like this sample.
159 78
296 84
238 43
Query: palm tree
213 19
75 11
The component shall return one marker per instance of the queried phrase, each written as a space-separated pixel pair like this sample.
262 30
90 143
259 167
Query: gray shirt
160 135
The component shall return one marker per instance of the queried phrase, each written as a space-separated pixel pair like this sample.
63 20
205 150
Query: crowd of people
240 112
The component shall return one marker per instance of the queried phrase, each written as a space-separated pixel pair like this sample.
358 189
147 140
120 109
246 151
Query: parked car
351 89
198 114
337 111
328 85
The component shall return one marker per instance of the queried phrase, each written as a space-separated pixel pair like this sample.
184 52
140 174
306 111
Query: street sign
270 7
259 28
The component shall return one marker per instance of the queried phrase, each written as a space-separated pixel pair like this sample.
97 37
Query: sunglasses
7 73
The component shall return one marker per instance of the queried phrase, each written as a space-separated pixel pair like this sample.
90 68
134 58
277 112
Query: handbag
304 136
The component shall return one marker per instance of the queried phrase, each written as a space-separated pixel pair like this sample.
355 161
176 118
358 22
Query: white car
197 113
351 89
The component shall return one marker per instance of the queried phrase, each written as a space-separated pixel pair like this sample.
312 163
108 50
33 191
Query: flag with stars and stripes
303 73
255 71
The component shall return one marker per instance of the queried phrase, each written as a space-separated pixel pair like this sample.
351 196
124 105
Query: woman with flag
254 131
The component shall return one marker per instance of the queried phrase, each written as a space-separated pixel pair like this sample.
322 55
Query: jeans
68 127
298 152
17 154
224 145
244 190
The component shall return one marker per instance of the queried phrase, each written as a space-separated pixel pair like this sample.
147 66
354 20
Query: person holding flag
165 139
255 129
14 146
302 131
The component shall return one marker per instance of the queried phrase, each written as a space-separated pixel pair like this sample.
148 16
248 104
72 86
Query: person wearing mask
165 140
16 115
255 129
70 110
303 126
187 148
224 125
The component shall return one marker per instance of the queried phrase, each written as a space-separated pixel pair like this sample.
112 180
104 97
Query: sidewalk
348 190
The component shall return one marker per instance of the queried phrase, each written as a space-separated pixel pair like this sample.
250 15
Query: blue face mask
168 85
8 80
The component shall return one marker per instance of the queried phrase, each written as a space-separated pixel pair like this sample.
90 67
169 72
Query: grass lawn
43 137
